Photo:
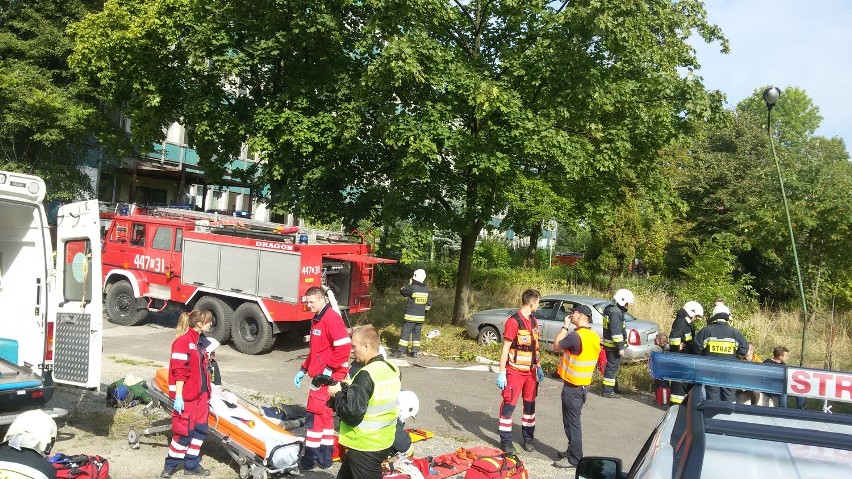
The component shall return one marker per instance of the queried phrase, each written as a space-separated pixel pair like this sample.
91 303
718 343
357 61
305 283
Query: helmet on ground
623 297
33 430
409 405
693 309
419 275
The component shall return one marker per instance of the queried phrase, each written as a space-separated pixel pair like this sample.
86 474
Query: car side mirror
599 468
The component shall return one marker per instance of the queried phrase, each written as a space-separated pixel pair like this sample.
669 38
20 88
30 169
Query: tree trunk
533 246
462 299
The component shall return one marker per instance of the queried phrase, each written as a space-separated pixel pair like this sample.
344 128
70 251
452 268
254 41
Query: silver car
487 326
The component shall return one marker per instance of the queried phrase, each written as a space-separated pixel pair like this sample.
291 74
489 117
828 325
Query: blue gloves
297 381
178 405
539 374
501 380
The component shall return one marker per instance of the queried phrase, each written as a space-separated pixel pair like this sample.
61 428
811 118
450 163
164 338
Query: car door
76 301
546 316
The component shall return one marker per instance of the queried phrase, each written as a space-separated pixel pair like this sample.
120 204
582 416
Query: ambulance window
77 284
163 238
179 240
137 236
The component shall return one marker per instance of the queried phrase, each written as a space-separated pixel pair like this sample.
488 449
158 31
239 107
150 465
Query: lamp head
771 95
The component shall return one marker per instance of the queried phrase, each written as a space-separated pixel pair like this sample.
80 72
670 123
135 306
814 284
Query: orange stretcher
262 448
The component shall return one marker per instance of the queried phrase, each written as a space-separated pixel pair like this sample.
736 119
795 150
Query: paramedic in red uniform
328 355
189 388
520 372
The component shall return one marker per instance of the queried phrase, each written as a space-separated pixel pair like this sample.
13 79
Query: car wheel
488 335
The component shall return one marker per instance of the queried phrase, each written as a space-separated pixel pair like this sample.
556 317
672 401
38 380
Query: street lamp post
770 96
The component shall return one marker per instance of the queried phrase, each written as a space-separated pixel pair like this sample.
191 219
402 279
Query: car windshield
603 304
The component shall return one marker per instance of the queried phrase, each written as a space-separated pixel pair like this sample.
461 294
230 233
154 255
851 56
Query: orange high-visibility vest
523 353
578 370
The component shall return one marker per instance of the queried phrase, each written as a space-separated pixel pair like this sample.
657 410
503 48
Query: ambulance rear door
76 297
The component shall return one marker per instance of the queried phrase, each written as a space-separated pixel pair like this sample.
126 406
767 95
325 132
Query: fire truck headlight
32 188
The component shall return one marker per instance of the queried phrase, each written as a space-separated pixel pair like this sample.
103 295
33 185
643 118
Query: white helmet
623 297
693 309
409 405
33 430
419 275
721 309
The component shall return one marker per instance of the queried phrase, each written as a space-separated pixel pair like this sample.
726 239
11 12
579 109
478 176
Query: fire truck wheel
121 305
251 333
222 314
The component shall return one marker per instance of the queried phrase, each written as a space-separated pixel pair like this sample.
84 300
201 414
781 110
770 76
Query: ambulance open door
77 298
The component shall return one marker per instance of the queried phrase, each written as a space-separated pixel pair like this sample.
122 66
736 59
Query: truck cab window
137 236
178 240
163 238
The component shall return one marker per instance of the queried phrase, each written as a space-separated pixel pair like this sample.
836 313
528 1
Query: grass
765 328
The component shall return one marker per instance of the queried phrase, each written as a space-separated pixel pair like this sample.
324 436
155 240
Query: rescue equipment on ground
265 450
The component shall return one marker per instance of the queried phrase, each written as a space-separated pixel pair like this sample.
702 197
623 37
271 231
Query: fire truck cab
251 275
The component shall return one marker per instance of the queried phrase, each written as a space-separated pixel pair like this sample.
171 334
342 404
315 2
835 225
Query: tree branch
466 12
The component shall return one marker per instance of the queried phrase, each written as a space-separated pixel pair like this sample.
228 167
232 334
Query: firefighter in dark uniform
24 451
722 340
419 301
614 339
682 340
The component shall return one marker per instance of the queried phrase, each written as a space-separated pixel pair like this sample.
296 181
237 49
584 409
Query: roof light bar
769 378
718 372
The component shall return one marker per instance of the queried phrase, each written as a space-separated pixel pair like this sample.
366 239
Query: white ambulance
50 314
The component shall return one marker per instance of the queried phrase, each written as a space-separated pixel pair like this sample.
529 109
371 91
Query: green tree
426 111
48 120
731 187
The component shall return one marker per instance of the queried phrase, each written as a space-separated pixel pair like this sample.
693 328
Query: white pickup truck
51 318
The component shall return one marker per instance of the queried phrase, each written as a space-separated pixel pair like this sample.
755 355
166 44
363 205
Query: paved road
455 404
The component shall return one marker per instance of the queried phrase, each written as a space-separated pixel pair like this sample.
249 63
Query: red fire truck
252 275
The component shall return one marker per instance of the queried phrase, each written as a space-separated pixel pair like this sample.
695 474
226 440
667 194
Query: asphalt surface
459 405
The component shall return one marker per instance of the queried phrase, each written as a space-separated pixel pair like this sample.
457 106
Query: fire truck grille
71 357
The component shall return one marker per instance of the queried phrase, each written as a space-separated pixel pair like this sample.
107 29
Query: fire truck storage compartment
268 274
338 277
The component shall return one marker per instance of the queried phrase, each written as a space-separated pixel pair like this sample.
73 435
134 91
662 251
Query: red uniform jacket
188 363
329 346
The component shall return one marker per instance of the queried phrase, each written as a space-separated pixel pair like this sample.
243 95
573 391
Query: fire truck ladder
235 226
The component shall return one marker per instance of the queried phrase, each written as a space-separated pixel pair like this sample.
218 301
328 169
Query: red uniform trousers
518 384
319 430
189 429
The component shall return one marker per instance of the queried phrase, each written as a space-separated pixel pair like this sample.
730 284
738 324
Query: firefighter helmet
419 275
623 297
33 430
409 405
721 309
693 309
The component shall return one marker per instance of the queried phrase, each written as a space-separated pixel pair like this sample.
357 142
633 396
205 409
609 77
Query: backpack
504 466
80 466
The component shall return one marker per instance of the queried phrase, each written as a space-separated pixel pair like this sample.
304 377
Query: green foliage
730 183
48 120
427 111
711 275
408 242
491 253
